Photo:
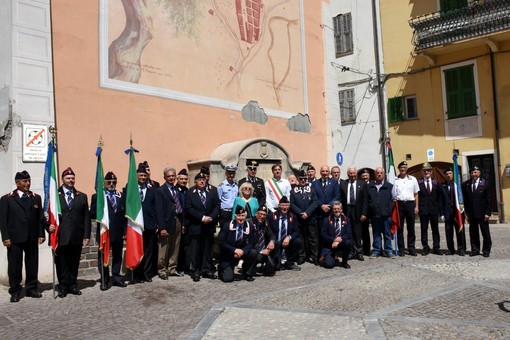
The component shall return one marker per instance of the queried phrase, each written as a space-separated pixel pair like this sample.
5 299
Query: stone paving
423 297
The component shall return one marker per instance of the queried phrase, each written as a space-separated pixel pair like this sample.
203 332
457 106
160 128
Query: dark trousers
291 251
424 227
451 225
475 226
116 262
201 253
67 262
184 259
310 235
15 265
225 217
329 255
148 267
365 236
267 262
406 210
227 264
350 212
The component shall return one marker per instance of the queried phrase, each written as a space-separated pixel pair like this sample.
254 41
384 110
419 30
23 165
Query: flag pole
100 145
53 132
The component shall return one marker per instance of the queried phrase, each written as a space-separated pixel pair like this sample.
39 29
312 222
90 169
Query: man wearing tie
22 226
202 210
328 191
478 210
431 206
355 200
451 218
336 237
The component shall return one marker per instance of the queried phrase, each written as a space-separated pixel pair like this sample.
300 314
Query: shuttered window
460 91
395 109
347 109
343 34
450 5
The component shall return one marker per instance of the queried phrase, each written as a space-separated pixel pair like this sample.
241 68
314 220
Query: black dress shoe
118 283
413 253
360 257
425 252
211 276
461 253
75 291
15 297
291 266
147 279
163 277
249 278
474 254
486 255
34 294
195 277
62 294
345 265
104 287
437 252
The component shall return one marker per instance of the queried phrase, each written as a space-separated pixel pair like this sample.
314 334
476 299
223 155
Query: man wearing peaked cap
150 182
265 243
310 171
73 234
259 190
227 193
22 227
237 240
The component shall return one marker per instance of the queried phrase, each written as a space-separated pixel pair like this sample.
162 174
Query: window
400 108
451 5
411 111
460 91
347 109
343 34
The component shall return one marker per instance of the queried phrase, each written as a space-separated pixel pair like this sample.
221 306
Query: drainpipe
501 205
383 120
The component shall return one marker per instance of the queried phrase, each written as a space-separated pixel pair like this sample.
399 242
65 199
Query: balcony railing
476 20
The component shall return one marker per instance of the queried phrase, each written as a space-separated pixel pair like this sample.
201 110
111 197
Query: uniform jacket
228 241
165 208
15 223
477 203
328 232
432 203
361 205
262 228
118 221
450 198
273 220
75 221
304 200
195 211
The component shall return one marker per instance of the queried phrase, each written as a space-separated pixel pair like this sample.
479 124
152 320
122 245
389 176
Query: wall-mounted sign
339 158
431 155
35 143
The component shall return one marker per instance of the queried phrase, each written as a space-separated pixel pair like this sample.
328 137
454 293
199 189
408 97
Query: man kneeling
336 234
237 241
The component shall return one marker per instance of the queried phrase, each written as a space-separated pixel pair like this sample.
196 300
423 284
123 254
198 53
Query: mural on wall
215 52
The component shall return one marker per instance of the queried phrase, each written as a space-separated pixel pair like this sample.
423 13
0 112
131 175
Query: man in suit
73 233
183 261
328 191
450 217
117 230
336 236
147 268
259 190
431 206
478 210
355 202
310 171
265 242
150 182
276 188
237 242
285 227
168 211
304 203
365 225
202 210
22 225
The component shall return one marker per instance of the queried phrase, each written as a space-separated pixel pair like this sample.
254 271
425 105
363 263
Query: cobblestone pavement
423 297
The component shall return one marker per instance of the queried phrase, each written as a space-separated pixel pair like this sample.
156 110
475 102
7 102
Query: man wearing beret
237 242
150 182
265 242
22 226
310 171
73 234
202 209
451 222
259 190
116 227
478 210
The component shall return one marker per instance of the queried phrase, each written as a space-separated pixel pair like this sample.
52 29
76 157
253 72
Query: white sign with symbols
35 143
430 155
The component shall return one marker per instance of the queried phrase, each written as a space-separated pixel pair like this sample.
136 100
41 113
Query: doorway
486 165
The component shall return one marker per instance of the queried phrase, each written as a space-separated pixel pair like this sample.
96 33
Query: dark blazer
450 199
326 195
150 221
379 202
432 203
292 224
165 208
361 205
328 233
477 203
18 225
259 191
262 228
195 211
304 200
228 241
75 221
118 221
182 197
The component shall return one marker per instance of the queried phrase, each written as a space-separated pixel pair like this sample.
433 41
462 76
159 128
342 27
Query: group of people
265 225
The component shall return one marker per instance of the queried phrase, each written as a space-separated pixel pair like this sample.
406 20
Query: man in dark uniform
450 219
117 229
237 242
431 206
365 225
355 202
202 209
183 261
304 203
150 182
285 227
478 210
336 236
147 268
310 171
22 225
73 234
265 241
259 190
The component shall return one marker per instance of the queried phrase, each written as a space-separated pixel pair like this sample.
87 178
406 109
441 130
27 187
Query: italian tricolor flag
134 215
51 200
102 216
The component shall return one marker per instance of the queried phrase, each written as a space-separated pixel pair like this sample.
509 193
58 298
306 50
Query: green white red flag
51 200
459 198
102 216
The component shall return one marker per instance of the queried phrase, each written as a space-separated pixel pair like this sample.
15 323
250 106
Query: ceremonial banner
459 198
102 216
51 200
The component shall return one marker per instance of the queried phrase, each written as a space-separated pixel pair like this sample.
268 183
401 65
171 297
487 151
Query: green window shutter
451 5
395 109
460 92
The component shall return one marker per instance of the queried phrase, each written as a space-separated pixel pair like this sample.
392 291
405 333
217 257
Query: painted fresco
215 52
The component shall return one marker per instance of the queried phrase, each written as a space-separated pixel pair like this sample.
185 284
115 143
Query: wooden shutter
460 92
395 109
